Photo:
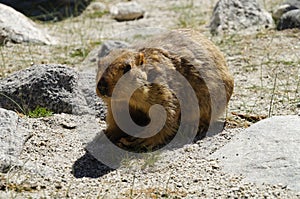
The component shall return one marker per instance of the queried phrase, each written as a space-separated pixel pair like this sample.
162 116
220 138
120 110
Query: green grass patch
40 112
79 52
190 19
97 14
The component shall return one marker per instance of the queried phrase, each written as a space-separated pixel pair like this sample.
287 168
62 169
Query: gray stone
289 20
234 16
101 51
12 139
17 28
285 7
55 87
41 170
49 86
279 11
110 45
266 152
8 162
125 11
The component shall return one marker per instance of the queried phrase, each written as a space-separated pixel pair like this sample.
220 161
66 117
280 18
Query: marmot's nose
102 86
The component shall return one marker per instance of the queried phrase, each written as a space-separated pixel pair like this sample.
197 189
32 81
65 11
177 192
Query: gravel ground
66 170
265 66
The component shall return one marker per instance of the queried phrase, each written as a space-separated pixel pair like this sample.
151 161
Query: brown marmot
149 68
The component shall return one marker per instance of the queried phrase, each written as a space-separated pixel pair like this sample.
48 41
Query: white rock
126 11
267 152
17 28
12 138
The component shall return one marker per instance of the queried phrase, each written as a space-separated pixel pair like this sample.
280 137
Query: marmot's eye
126 68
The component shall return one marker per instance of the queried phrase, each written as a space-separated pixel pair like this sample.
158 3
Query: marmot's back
200 62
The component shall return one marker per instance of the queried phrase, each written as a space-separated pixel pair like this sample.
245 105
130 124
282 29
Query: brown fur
186 51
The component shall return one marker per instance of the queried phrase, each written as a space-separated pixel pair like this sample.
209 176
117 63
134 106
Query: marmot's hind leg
202 131
148 144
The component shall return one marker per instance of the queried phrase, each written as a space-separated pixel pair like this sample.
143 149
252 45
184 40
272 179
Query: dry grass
266 68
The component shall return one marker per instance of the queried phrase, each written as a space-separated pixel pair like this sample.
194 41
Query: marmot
150 65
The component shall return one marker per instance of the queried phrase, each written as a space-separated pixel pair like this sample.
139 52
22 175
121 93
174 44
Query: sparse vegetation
20 107
40 112
150 160
189 16
256 61
97 14
79 52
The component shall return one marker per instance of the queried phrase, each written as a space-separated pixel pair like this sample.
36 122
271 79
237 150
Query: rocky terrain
49 157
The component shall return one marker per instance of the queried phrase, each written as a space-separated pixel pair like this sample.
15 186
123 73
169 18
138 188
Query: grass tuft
40 112
97 14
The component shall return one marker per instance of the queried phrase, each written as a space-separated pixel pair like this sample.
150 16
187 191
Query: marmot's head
116 65
133 70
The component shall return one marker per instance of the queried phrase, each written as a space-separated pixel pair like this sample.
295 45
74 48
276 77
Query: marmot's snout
102 87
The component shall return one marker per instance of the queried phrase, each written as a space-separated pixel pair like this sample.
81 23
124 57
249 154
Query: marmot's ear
140 59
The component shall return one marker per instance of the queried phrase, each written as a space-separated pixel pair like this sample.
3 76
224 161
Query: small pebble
68 125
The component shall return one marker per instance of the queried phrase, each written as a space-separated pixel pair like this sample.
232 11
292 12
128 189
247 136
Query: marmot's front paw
127 142
136 143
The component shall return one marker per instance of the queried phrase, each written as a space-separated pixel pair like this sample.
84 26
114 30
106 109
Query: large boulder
58 88
13 136
48 9
267 152
232 16
17 28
